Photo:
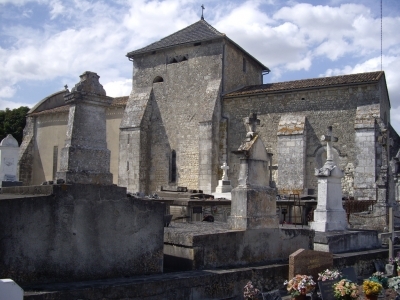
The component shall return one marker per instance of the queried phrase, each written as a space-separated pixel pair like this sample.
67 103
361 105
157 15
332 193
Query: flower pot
371 297
300 297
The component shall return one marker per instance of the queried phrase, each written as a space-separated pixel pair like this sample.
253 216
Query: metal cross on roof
202 9
329 138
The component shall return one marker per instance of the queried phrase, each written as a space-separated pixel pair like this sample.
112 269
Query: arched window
158 79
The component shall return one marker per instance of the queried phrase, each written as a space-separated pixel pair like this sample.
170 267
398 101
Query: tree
12 121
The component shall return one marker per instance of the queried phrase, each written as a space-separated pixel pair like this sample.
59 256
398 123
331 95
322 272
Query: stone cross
202 9
225 169
329 138
251 124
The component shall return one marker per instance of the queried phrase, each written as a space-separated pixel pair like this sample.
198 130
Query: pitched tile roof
197 32
117 101
308 83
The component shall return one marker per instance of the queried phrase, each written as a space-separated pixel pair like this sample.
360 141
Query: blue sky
45 44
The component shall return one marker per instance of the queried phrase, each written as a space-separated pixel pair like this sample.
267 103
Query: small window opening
154 52
244 65
173 166
158 79
197 44
184 58
127 165
303 98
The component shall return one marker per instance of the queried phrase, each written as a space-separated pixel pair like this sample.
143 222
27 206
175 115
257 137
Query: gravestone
9 290
253 200
224 185
350 274
389 270
272 295
309 262
329 215
326 289
379 266
9 152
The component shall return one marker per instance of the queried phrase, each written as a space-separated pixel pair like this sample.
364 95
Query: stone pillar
291 152
253 201
9 152
85 157
366 152
205 157
329 215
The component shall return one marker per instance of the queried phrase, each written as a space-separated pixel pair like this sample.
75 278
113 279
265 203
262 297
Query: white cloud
118 88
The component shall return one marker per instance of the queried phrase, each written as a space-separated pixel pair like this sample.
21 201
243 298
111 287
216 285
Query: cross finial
329 138
202 9
251 124
66 87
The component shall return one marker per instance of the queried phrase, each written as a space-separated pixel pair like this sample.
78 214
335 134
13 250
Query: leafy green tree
12 121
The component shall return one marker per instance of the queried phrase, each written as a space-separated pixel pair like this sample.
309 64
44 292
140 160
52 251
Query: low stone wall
78 232
201 245
194 285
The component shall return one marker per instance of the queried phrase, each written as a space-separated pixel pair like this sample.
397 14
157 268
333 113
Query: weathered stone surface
201 245
85 157
345 241
309 262
9 290
196 285
78 232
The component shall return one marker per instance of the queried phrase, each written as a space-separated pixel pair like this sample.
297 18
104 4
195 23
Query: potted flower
345 290
329 275
299 286
250 292
372 289
380 277
394 283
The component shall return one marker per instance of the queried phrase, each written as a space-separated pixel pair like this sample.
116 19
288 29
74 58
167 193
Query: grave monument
330 223
252 234
9 152
224 185
87 228
253 200
85 157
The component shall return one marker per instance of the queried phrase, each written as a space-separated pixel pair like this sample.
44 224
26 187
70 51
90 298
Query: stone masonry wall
234 75
292 154
182 99
322 107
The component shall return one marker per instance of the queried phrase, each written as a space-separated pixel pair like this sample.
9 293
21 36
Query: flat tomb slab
200 245
346 241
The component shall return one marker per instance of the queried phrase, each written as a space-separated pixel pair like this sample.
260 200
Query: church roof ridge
308 83
196 32
117 101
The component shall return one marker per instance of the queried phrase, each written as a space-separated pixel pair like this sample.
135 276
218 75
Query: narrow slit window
173 166
244 65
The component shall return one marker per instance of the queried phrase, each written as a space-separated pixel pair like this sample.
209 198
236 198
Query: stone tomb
252 235
309 262
9 290
64 233
330 221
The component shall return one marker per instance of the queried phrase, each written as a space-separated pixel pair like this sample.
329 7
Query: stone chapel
191 94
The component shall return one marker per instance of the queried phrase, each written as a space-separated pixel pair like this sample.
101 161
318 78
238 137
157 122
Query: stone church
191 93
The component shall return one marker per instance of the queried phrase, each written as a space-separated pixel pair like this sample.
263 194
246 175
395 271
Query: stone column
85 157
291 152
